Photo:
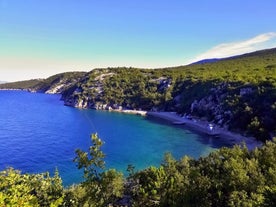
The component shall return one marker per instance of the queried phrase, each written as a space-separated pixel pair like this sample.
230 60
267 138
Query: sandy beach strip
137 112
128 111
207 128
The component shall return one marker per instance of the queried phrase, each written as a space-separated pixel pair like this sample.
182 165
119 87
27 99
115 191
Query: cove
38 133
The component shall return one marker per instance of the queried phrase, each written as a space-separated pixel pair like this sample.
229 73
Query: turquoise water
38 133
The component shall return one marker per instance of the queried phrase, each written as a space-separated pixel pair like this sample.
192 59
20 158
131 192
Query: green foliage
226 177
75 196
18 189
148 187
111 187
101 188
92 161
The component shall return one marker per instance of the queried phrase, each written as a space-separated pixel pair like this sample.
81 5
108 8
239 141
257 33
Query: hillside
236 93
21 85
54 84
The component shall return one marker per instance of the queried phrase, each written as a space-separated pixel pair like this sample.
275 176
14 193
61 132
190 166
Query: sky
42 38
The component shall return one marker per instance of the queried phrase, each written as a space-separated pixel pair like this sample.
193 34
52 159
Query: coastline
12 89
198 126
195 124
128 111
207 128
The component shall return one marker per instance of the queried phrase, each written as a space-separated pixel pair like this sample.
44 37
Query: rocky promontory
55 84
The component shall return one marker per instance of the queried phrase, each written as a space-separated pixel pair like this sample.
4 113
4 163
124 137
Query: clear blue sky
41 38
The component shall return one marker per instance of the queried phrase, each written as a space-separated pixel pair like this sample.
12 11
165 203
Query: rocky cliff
117 88
57 84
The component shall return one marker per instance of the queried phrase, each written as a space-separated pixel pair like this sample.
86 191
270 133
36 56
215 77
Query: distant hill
20 84
54 84
1 82
206 61
252 54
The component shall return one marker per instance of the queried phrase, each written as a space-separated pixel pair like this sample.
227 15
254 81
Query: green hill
238 93
20 84
60 81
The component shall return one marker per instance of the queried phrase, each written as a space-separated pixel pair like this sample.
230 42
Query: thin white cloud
236 48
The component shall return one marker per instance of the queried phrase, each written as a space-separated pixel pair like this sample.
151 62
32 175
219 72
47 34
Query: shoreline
207 128
195 124
129 111
198 126
12 89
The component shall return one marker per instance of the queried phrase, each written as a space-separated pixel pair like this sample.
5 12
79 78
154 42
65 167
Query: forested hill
238 93
54 84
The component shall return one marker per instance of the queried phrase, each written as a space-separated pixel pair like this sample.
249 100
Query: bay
38 133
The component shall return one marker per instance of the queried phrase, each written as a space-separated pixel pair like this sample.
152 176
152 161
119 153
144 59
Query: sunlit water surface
38 133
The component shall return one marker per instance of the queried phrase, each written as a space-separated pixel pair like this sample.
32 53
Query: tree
93 161
18 189
102 188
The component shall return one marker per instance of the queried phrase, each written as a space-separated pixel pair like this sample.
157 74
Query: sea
39 134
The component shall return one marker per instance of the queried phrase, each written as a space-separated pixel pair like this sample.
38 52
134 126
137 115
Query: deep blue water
38 133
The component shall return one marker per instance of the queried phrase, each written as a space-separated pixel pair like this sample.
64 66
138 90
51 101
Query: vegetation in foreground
227 177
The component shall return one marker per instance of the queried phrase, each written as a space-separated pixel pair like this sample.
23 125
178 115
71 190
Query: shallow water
38 133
